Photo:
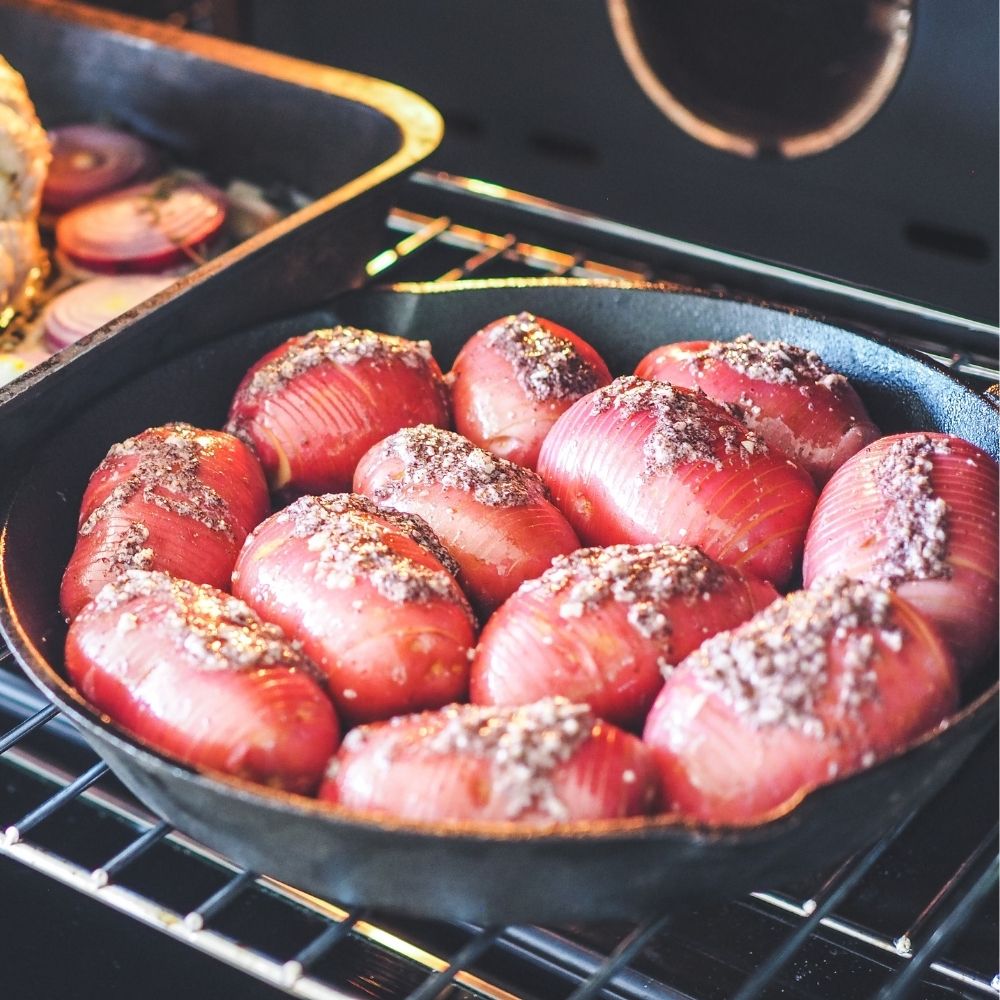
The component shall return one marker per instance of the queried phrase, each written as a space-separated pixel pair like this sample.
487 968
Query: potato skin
512 380
727 763
375 609
314 405
174 498
196 674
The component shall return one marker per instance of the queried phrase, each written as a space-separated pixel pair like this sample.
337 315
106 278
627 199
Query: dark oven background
537 96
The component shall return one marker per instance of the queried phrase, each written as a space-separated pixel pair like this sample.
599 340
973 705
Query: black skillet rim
974 713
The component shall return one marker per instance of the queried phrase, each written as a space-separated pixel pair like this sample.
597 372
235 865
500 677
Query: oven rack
55 787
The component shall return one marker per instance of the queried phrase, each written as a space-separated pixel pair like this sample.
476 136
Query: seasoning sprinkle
523 745
688 426
545 365
772 361
914 530
220 631
431 456
342 345
167 475
351 543
774 669
643 577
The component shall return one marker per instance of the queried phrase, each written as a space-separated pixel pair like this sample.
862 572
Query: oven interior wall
536 96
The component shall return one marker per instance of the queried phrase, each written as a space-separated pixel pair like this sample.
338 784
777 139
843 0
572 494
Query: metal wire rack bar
289 975
472 951
487 246
28 726
113 868
711 265
904 943
17 830
950 925
620 957
318 947
197 918
769 970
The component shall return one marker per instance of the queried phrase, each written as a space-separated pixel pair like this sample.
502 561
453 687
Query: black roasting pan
343 140
477 872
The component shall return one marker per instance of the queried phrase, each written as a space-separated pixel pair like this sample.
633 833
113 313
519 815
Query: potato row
702 589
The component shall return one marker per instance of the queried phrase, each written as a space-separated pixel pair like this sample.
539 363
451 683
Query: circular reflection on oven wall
765 77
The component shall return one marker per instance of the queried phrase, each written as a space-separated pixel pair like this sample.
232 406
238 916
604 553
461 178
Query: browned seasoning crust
341 345
523 746
688 427
166 473
218 630
642 577
545 365
774 669
431 456
914 530
772 361
349 544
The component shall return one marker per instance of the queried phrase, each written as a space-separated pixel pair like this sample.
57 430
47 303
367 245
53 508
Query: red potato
798 405
643 461
196 674
173 498
602 626
313 406
917 512
818 685
370 595
493 516
536 765
147 228
512 380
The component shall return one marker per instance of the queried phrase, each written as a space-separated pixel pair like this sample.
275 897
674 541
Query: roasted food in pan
817 685
644 461
535 764
495 517
371 595
751 713
797 404
313 406
90 160
513 379
198 674
917 513
173 498
602 625
148 228
24 159
748 839
123 100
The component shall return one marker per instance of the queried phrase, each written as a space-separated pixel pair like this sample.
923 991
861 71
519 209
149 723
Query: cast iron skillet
479 872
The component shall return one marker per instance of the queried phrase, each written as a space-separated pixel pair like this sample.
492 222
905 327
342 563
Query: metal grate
889 923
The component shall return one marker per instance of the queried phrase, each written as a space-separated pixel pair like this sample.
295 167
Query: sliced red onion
82 309
91 160
146 228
